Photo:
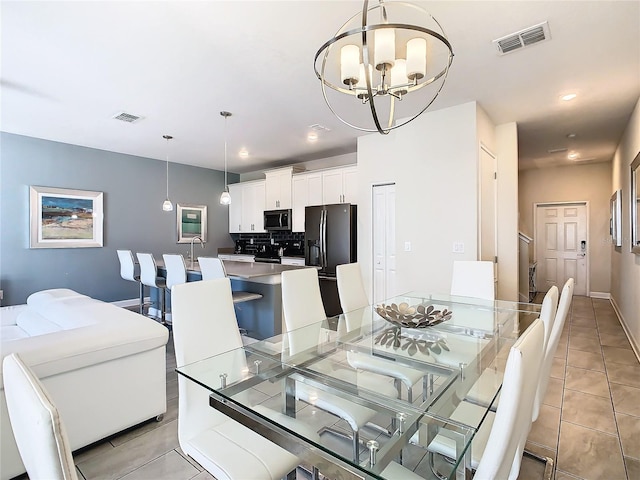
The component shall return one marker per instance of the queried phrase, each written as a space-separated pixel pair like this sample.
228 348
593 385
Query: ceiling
68 67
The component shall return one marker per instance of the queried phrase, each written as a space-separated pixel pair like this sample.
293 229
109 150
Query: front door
561 246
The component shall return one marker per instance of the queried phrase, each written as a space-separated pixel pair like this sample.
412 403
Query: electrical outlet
407 246
458 247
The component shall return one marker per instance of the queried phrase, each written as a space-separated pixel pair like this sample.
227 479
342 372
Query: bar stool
176 271
127 272
149 277
212 268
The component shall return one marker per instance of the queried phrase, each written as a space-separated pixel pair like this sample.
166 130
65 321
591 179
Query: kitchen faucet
197 237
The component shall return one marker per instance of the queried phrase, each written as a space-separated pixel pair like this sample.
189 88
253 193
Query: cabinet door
332 186
255 193
300 192
350 185
235 208
278 189
314 189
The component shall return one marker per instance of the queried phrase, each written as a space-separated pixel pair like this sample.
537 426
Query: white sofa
103 365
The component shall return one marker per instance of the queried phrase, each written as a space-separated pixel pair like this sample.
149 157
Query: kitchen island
261 318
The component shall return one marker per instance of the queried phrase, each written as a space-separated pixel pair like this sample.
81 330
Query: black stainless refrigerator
330 240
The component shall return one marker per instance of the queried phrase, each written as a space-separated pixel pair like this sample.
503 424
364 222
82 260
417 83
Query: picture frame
191 222
65 218
634 205
616 218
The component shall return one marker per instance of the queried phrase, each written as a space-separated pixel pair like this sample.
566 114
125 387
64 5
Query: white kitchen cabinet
307 191
246 212
340 185
278 188
235 208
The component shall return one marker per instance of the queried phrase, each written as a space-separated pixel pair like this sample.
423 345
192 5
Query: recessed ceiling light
568 96
243 153
573 155
312 136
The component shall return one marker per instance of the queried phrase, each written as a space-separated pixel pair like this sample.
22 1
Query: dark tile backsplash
291 243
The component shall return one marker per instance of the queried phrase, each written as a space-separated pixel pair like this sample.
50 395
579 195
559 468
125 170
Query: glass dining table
450 340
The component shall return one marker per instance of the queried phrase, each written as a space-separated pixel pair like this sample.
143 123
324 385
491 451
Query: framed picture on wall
616 218
192 222
65 218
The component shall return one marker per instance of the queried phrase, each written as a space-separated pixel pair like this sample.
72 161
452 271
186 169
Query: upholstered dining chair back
204 325
473 279
501 457
148 269
301 306
211 267
350 287
39 431
127 265
176 269
553 338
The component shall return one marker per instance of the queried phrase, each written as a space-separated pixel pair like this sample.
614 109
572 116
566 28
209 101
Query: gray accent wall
134 189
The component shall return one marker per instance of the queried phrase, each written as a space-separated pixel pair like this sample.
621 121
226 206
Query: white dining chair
204 325
496 448
149 277
473 279
302 307
127 272
483 390
352 298
553 338
213 267
39 430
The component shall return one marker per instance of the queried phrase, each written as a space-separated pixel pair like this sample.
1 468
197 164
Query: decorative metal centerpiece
420 316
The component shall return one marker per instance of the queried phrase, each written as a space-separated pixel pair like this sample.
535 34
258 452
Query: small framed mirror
635 205
616 217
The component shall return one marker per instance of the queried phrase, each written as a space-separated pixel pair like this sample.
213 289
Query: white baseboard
134 302
603 295
634 346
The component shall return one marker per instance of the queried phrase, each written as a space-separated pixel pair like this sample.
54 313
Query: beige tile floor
589 423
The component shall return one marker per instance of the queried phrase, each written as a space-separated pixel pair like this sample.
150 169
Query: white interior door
384 242
488 210
561 246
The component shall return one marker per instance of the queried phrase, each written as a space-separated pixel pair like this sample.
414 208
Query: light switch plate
407 246
458 247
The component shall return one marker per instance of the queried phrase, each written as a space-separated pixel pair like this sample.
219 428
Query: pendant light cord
226 185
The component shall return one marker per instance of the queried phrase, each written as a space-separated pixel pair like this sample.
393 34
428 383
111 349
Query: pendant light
167 206
225 198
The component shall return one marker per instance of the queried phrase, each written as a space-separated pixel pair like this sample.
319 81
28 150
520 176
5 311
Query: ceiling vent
523 38
316 127
126 117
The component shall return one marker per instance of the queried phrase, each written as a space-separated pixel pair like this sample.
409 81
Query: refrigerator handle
324 239
321 254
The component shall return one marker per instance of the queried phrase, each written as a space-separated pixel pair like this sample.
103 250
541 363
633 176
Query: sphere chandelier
407 65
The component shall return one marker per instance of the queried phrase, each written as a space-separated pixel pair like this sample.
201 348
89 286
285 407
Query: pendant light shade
167 206
225 198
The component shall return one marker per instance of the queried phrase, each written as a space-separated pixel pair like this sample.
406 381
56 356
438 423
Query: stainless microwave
275 220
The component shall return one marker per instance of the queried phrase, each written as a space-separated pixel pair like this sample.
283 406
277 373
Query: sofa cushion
46 296
9 315
13 332
32 323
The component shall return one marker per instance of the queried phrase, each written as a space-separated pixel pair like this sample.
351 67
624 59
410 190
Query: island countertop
257 272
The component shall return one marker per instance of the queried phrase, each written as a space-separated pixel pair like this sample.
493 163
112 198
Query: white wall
433 162
507 152
625 266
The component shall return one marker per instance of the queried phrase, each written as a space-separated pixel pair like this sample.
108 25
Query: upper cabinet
340 185
307 191
278 188
246 211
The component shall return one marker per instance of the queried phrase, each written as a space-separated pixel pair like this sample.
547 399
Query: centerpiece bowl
417 316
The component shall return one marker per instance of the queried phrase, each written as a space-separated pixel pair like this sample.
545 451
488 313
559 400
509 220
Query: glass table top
348 360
